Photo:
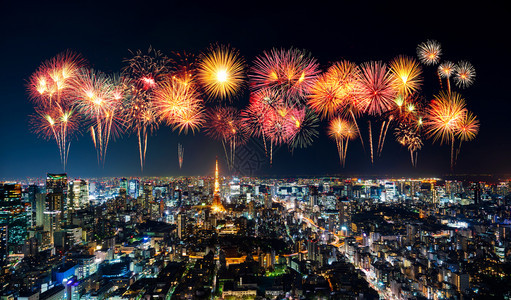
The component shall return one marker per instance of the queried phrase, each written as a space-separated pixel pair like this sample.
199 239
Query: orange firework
444 118
406 75
99 98
221 72
467 130
342 131
58 124
429 52
178 104
51 83
468 127
335 89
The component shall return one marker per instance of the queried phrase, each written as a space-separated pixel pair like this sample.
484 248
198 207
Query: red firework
289 72
376 91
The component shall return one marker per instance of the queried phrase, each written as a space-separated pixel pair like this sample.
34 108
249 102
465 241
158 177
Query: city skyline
27 155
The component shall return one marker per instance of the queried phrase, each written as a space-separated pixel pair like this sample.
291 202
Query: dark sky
103 33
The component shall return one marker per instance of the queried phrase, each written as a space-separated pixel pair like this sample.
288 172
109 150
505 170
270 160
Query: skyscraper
56 193
134 186
345 215
78 194
181 225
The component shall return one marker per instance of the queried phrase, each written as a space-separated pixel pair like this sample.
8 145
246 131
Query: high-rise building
148 195
181 225
78 194
33 191
133 188
123 192
313 195
13 217
56 194
345 215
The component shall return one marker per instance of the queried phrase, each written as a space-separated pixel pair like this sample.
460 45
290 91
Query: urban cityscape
212 150
253 238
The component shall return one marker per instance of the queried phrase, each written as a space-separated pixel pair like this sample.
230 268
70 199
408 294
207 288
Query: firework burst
406 75
306 125
464 74
444 117
335 89
99 98
52 82
291 73
178 104
50 88
221 72
429 52
376 91
409 136
147 71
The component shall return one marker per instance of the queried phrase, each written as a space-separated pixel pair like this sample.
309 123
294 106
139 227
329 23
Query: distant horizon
461 177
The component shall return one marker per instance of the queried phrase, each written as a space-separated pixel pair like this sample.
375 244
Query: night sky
103 34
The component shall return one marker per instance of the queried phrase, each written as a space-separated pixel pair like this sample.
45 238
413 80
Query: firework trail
261 108
146 71
180 154
446 70
224 124
409 136
342 131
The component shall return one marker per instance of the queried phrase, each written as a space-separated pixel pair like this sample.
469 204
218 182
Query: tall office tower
313 195
476 187
40 207
251 209
181 225
390 191
78 196
148 196
345 215
123 192
33 190
133 187
3 241
13 217
268 203
56 194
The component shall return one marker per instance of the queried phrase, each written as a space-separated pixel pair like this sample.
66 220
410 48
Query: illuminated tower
217 203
